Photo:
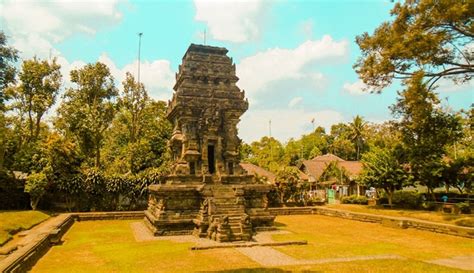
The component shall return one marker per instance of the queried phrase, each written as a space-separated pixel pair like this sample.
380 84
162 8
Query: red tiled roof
354 168
316 166
256 170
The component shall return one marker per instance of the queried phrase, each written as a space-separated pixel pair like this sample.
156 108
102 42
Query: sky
294 58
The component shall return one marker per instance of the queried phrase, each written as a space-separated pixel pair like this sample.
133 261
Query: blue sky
294 58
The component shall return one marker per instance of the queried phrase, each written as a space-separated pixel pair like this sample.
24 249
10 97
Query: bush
464 207
354 199
407 199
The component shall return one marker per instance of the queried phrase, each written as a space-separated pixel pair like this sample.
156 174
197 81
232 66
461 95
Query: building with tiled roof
317 167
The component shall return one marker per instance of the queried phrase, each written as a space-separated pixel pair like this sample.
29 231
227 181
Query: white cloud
356 88
447 85
233 21
35 25
295 101
257 72
157 75
286 123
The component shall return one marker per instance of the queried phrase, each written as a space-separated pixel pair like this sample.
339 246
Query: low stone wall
27 255
108 215
398 222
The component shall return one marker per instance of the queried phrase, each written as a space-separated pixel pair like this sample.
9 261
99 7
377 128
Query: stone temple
207 193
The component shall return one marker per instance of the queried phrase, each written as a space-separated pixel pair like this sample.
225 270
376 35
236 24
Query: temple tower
207 193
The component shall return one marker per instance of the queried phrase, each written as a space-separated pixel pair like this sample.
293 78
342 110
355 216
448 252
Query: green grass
434 216
14 221
109 246
331 237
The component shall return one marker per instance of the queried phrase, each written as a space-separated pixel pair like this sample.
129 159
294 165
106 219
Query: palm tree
357 128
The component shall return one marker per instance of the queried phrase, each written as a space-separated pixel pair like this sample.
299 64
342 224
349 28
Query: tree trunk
97 156
38 125
34 202
390 197
431 193
30 126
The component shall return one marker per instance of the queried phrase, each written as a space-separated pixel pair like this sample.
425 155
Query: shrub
464 207
36 184
407 199
354 199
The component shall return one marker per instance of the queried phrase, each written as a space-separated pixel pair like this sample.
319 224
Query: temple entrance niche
206 192
211 161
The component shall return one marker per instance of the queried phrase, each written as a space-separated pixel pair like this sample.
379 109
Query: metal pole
139 47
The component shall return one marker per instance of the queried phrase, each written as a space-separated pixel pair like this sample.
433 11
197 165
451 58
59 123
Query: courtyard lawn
435 216
109 246
14 221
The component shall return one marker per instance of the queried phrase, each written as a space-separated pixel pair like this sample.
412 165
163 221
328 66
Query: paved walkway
268 256
143 234
461 262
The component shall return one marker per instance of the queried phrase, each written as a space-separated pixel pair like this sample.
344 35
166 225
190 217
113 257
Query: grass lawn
435 216
109 246
13 221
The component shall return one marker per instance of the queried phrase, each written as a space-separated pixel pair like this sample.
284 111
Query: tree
383 170
35 185
88 110
149 148
426 131
8 56
341 144
267 153
39 85
132 105
433 36
357 131
287 179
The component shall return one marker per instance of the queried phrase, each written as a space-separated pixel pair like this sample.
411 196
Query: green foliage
267 153
333 173
39 85
36 184
383 170
357 133
407 199
464 207
287 180
354 199
8 56
87 111
429 35
426 131
148 150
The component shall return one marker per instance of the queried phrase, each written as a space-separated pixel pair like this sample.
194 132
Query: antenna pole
139 47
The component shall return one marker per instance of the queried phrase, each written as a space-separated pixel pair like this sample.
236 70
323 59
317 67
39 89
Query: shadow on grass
257 270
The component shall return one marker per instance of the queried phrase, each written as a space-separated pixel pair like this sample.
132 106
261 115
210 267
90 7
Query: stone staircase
227 217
